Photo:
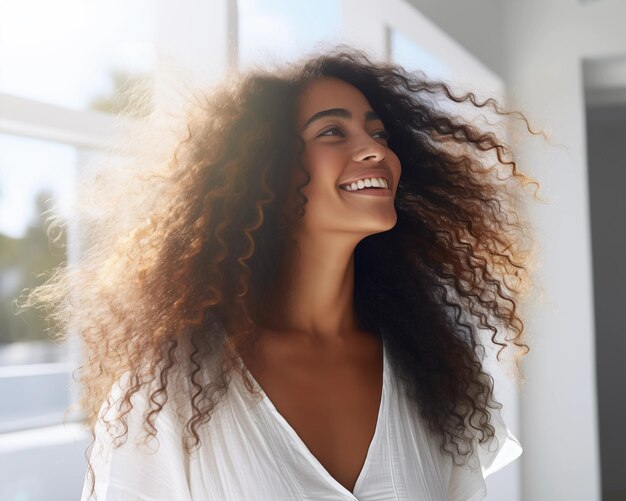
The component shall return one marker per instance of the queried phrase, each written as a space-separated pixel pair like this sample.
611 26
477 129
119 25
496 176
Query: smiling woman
292 301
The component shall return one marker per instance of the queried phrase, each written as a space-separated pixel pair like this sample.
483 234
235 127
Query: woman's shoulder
135 400
170 397
136 454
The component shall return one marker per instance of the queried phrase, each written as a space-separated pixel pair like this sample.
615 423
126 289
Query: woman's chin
381 225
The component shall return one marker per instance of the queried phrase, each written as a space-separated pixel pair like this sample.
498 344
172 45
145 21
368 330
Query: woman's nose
369 149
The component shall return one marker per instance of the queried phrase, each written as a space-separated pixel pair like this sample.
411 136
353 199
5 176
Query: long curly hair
183 231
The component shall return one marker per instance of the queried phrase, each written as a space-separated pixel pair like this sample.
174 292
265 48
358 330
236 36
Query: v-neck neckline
317 465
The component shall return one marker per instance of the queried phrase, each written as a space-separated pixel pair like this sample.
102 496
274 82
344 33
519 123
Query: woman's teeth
372 182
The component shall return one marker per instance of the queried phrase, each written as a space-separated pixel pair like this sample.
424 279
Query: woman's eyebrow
338 112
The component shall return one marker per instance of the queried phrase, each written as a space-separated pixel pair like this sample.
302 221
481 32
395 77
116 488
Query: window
64 66
36 176
75 53
276 31
33 175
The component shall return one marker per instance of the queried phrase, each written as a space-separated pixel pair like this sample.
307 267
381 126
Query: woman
286 302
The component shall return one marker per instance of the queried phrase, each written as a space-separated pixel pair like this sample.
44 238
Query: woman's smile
372 185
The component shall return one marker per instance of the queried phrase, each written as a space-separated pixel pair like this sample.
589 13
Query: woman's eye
336 131
331 129
382 133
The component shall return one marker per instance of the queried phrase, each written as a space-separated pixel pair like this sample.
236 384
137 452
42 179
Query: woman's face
345 144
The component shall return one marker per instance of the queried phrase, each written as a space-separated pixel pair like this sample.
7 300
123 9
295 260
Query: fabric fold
467 482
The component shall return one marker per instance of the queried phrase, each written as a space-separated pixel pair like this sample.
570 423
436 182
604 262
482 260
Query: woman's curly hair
180 243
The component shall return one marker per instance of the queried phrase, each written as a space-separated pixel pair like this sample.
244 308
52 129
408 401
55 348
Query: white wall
474 24
545 43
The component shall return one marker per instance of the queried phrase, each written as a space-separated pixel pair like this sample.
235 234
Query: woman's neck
314 295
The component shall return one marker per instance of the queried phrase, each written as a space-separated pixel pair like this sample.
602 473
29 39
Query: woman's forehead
327 93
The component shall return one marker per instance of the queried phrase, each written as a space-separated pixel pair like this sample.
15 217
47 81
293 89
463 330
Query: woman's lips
375 192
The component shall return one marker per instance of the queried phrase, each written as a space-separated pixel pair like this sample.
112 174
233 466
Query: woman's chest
250 452
330 403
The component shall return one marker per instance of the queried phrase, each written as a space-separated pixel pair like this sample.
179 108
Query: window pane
75 53
275 31
34 395
35 176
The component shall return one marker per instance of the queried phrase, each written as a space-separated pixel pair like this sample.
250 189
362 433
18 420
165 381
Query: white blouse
249 452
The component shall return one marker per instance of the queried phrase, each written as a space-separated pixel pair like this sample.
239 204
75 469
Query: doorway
605 103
